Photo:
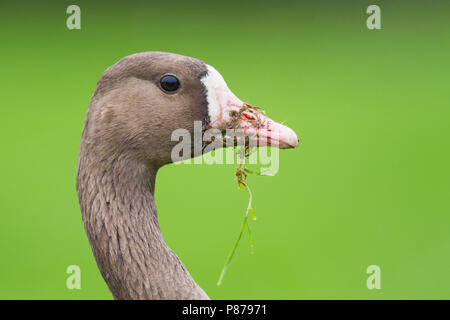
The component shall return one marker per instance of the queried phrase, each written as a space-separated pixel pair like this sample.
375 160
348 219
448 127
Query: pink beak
268 132
228 112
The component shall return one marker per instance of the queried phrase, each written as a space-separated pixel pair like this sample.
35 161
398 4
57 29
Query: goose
137 104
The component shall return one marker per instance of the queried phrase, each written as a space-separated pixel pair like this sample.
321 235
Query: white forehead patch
220 99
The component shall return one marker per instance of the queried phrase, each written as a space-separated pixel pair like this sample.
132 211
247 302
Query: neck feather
116 196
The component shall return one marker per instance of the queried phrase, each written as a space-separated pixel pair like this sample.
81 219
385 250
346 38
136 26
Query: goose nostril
248 116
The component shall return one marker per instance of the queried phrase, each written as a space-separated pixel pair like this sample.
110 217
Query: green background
369 183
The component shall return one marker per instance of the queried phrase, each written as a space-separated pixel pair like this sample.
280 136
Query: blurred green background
368 185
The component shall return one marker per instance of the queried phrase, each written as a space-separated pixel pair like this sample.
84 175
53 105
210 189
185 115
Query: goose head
137 105
142 99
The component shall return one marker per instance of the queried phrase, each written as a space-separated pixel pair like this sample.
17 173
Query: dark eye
169 83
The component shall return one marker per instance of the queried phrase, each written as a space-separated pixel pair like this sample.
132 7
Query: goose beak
228 112
267 132
233 114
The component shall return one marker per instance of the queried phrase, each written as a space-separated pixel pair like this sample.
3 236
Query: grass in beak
241 177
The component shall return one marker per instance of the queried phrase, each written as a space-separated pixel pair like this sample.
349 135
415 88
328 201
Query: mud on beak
256 125
233 114
227 112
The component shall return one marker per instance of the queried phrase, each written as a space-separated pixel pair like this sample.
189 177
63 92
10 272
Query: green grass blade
244 225
266 172
252 213
250 238
232 252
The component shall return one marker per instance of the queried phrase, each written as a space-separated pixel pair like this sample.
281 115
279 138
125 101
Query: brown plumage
126 139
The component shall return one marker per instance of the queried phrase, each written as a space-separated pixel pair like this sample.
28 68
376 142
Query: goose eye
169 83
